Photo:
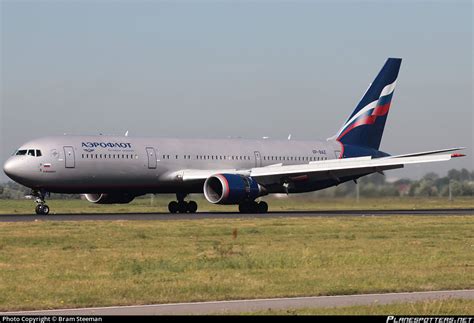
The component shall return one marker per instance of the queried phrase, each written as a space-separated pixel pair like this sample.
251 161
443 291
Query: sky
236 69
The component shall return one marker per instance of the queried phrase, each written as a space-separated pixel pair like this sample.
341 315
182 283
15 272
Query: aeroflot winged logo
91 146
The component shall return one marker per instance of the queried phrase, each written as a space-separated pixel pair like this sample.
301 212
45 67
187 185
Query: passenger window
38 153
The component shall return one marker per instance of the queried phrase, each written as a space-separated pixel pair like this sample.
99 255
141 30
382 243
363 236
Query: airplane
116 169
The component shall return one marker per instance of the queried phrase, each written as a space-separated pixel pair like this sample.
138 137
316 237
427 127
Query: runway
228 215
253 305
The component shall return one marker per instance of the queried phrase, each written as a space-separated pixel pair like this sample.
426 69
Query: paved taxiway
229 215
252 305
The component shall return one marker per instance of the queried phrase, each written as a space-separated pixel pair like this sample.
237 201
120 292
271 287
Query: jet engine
102 198
232 189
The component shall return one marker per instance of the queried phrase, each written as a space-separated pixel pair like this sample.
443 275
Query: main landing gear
182 206
41 207
253 207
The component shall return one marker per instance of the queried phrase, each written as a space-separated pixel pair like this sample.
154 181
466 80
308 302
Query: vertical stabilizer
365 125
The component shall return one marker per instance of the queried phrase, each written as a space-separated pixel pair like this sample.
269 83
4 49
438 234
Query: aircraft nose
11 168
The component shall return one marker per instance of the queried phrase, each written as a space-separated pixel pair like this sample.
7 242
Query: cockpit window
29 152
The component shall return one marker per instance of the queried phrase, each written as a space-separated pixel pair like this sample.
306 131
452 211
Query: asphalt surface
229 215
252 305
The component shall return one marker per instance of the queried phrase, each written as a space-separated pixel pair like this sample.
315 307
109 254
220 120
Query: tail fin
365 125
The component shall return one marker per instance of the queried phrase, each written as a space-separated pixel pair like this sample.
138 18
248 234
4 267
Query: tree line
455 183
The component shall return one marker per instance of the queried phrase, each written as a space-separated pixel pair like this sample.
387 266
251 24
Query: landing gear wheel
173 207
262 207
192 207
42 209
182 207
253 207
247 207
45 209
243 208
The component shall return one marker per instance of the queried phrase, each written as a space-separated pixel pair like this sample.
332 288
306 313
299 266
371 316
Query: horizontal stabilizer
424 153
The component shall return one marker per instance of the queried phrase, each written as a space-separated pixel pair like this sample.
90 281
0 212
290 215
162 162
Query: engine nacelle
232 189
102 198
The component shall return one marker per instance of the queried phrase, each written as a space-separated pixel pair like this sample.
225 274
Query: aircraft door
152 161
69 157
258 159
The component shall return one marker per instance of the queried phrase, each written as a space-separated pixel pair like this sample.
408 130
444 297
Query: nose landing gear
41 207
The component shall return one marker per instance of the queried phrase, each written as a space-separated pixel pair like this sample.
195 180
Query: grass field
435 307
160 204
75 264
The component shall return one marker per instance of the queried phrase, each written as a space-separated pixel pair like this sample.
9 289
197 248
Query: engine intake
102 198
232 189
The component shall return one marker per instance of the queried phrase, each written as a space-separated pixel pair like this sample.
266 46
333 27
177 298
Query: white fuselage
139 165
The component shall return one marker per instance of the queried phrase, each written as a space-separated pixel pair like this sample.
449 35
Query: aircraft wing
335 169
338 169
